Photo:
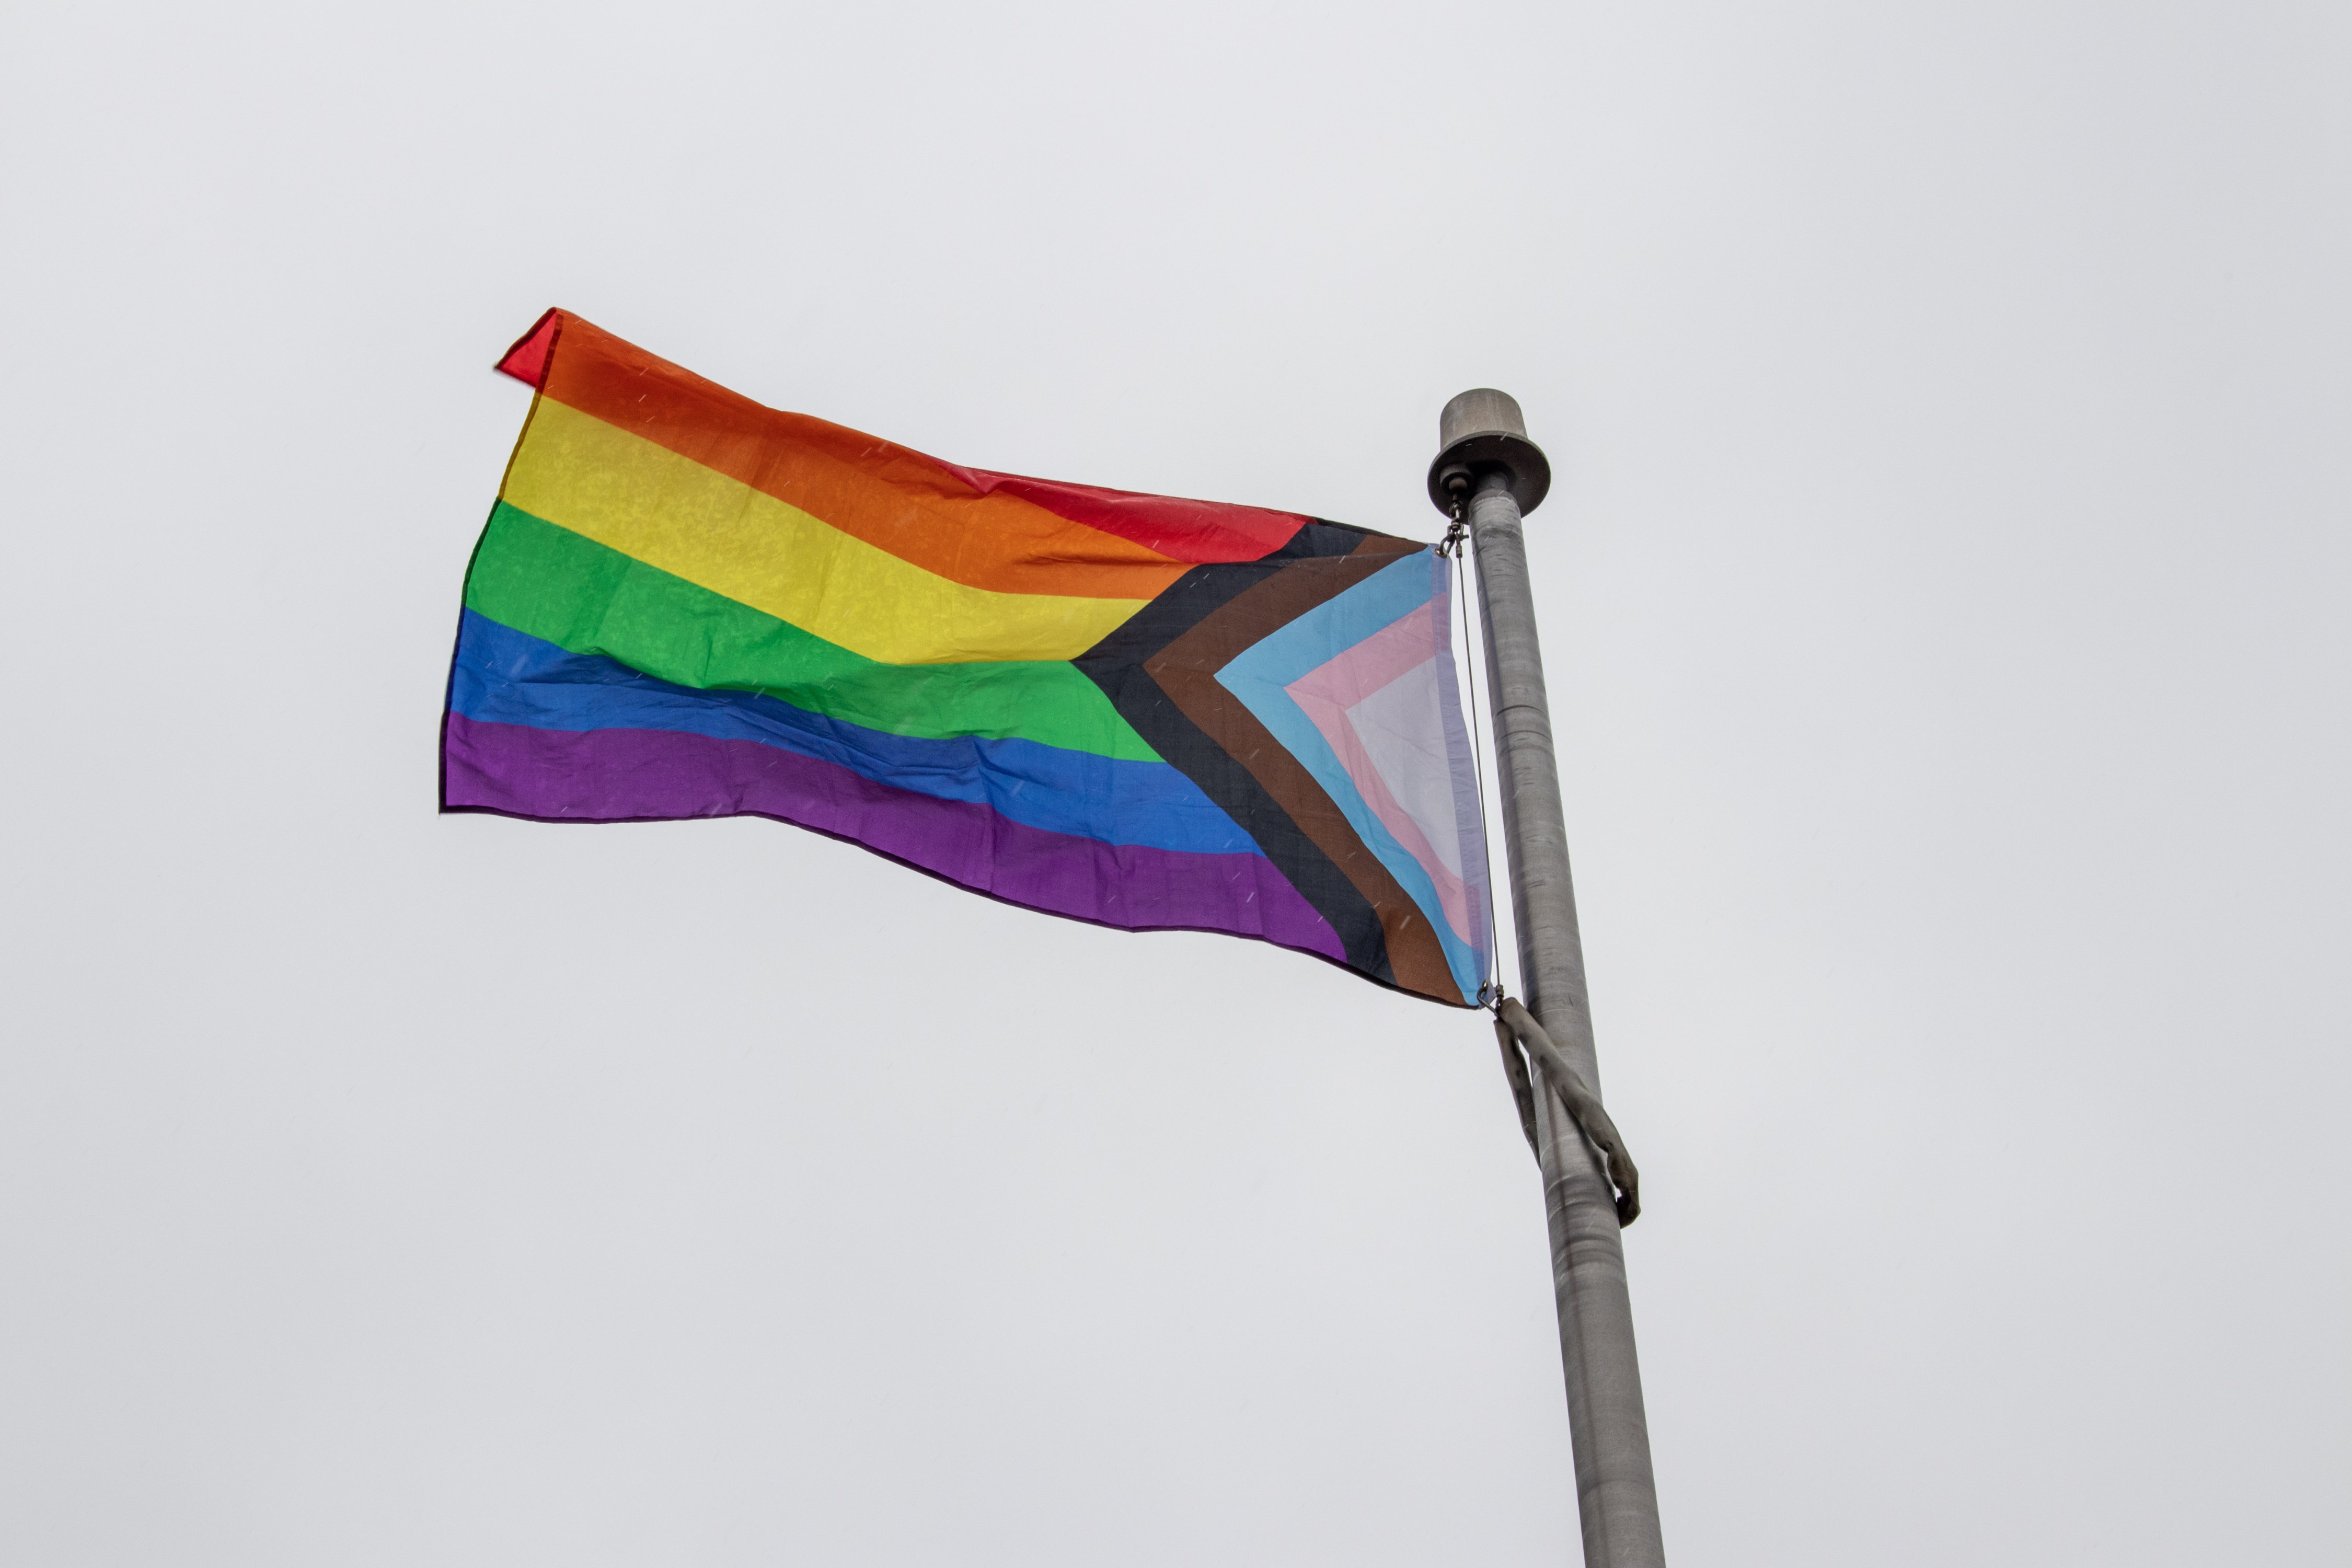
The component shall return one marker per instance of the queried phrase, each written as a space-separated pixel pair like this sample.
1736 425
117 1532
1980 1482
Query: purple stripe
659 776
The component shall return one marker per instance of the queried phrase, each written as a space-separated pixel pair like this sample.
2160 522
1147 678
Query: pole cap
1482 432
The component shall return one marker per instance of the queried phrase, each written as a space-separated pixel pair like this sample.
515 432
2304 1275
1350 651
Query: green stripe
589 598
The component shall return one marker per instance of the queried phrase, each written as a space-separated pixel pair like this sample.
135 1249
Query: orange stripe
896 499
663 508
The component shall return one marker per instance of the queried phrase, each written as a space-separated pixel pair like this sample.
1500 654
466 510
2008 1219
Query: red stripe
618 375
1194 531
527 360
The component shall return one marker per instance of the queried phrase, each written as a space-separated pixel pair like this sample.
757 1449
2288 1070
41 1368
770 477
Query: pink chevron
1327 693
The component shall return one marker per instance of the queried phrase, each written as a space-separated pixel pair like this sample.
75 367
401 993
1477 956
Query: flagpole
1488 470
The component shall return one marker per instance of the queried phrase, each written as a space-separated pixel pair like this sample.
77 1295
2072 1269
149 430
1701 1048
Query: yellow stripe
645 500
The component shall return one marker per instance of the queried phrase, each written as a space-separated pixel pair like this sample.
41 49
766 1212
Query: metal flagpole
1488 467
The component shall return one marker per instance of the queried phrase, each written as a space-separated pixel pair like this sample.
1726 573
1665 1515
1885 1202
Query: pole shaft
1616 1493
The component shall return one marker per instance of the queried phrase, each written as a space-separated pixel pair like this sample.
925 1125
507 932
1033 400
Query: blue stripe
1262 671
508 676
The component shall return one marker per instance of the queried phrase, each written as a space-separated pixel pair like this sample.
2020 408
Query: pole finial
1482 432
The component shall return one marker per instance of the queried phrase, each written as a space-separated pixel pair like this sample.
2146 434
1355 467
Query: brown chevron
1186 669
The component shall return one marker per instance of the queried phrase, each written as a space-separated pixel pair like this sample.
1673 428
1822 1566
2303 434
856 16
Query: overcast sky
1944 597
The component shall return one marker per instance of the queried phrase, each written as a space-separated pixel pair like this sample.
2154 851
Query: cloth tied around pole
1516 1026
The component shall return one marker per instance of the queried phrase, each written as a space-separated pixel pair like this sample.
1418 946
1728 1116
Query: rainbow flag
1145 712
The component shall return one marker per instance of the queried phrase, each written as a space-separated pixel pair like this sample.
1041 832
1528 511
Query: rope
1514 1027
1581 1103
1583 1106
1490 986
1523 1092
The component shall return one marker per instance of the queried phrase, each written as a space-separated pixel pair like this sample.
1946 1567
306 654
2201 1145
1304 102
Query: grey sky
1944 592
